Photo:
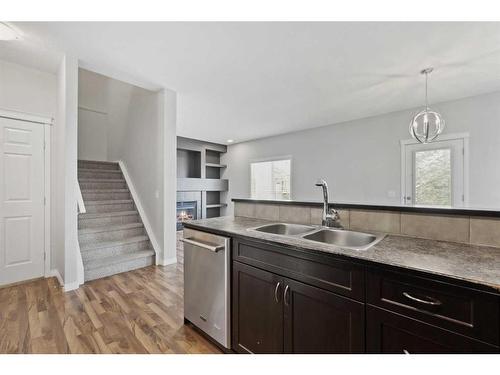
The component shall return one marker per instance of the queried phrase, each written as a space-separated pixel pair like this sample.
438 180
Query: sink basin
285 229
345 238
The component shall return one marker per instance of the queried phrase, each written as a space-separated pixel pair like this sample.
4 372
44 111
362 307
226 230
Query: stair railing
81 210
79 199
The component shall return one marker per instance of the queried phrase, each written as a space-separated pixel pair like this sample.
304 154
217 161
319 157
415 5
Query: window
434 173
270 179
433 177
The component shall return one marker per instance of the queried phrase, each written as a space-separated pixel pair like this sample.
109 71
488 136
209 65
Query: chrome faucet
331 217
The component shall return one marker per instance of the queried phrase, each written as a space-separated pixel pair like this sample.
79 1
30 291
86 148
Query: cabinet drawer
388 332
342 277
466 311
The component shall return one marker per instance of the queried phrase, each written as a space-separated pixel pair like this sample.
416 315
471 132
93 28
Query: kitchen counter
478 265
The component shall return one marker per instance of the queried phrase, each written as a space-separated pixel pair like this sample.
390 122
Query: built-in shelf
199 169
216 205
201 184
213 165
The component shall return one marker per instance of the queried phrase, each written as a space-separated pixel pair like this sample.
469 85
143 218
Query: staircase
111 234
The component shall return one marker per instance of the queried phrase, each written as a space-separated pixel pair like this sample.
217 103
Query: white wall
69 72
57 149
168 112
27 90
142 154
361 159
102 116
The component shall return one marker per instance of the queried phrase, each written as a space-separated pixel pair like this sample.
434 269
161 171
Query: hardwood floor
139 311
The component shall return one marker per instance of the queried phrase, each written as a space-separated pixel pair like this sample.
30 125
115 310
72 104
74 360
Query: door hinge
44 145
44 201
44 256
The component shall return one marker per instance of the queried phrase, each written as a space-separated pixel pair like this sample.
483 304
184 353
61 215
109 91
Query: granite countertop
470 263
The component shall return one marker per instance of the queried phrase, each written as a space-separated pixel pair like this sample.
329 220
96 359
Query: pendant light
427 124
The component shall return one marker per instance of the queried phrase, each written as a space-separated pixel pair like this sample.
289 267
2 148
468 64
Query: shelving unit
213 165
199 169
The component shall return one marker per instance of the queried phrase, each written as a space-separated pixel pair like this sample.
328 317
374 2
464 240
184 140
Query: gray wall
361 159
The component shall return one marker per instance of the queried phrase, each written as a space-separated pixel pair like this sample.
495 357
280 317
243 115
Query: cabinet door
257 310
388 332
319 321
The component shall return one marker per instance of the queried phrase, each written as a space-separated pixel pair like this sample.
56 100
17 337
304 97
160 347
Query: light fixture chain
426 90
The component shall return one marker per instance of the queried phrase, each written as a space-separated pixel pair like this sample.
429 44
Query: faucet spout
322 183
330 217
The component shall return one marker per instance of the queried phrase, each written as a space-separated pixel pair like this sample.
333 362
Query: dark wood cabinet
286 300
274 314
313 268
455 308
388 332
257 310
319 321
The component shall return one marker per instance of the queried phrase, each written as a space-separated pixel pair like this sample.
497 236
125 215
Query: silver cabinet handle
276 297
204 245
431 302
287 289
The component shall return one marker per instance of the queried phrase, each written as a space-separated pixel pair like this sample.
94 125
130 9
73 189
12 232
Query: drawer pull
285 298
430 301
276 298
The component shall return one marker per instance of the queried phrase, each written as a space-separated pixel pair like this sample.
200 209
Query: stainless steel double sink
336 237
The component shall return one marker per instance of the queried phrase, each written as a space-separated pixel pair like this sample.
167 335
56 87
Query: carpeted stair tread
111 233
109 228
100 179
95 215
104 191
103 244
105 262
99 170
108 201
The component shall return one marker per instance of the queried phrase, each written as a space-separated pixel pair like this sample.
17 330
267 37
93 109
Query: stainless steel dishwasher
207 284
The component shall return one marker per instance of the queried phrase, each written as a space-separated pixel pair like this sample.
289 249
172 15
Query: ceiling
250 80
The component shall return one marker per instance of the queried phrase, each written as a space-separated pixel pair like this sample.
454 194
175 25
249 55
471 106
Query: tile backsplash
455 228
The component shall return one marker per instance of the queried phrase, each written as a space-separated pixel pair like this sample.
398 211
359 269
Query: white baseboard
142 213
67 287
55 273
71 286
166 262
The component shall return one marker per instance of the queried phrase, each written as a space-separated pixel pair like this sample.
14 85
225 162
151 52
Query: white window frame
464 137
272 158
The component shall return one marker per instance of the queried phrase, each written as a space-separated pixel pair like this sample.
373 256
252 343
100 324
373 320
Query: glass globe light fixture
427 124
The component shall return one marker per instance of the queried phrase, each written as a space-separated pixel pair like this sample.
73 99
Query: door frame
445 137
47 123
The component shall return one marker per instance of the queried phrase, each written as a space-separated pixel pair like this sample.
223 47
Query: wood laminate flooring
140 311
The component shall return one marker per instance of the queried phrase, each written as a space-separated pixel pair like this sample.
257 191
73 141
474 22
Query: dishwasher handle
202 244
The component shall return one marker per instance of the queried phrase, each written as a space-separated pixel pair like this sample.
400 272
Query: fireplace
188 207
186 211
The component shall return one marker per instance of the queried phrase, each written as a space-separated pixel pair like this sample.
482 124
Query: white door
434 173
21 200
